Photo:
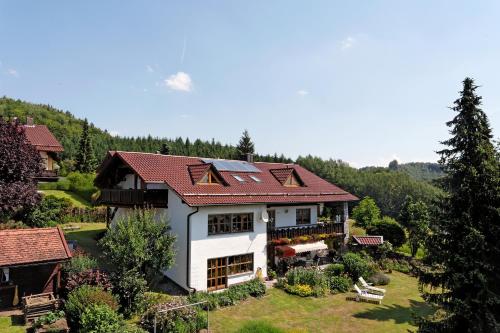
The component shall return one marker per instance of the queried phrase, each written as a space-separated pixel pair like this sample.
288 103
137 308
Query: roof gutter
188 251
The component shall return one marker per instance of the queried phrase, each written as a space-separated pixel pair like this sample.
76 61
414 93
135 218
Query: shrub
100 318
130 287
49 212
82 298
230 296
271 275
302 290
82 184
48 319
314 278
356 266
340 284
78 264
390 229
259 326
11 224
188 319
398 265
93 277
379 279
334 270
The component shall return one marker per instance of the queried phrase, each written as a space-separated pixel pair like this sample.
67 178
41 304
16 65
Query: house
226 214
30 263
48 147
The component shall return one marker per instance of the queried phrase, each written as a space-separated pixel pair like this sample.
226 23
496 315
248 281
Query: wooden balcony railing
131 198
305 230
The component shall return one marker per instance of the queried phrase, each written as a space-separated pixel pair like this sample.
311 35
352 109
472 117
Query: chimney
249 157
29 121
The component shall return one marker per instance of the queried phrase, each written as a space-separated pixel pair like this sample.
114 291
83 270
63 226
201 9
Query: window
230 223
4 275
218 269
292 181
303 216
255 178
238 178
209 179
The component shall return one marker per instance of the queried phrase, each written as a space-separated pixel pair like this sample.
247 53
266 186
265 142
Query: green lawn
329 314
12 324
86 238
75 199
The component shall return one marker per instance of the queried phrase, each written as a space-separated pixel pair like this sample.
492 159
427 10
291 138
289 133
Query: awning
300 248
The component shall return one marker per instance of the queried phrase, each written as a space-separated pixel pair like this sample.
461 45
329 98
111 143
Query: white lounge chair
365 295
371 289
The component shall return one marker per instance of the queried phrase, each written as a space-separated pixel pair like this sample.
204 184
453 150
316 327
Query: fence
86 215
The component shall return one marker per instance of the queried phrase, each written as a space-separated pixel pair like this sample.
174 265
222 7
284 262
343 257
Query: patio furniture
373 290
363 295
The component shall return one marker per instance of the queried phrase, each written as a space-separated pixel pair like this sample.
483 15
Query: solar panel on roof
225 165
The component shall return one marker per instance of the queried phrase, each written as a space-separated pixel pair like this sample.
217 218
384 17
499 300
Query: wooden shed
30 263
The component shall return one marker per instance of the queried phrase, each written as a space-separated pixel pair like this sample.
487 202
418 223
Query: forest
387 185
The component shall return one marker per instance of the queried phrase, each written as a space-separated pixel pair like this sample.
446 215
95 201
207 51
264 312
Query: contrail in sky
183 50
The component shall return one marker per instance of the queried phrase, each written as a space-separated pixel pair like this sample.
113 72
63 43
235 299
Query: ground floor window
218 269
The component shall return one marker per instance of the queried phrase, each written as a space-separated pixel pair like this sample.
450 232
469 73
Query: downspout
188 251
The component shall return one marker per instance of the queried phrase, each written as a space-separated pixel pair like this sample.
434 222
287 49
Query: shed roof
42 138
29 246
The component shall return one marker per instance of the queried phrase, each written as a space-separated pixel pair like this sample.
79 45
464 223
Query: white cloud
347 43
302 92
180 82
149 69
13 72
114 133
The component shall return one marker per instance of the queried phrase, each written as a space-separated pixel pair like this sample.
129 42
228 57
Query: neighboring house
368 240
48 147
30 263
219 208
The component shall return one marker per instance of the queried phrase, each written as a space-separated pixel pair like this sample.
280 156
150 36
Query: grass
86 238
12 324
328 314
75 199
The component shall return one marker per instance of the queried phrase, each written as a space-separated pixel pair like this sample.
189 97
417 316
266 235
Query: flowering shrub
302 290
91 277
285 251
281 241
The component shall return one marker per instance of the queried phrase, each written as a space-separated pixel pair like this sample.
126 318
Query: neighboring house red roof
42 138
178 172
29 246
369 240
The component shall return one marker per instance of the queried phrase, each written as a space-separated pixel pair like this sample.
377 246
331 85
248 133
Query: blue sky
363 81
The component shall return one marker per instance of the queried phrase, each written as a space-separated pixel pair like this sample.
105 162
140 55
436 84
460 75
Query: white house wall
286 215
204 246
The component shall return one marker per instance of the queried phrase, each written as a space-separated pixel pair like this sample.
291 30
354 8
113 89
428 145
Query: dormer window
209 178
292 181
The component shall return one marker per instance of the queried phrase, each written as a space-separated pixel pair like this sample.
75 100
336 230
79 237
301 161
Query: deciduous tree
366 212
414 216
19 164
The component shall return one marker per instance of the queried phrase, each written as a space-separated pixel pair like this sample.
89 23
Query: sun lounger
371 289
366 296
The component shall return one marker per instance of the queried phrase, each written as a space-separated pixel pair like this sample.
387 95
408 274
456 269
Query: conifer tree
165 149
245 145
85 158
463 251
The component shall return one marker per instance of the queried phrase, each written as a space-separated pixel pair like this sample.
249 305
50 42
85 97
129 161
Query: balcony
306 230
133 198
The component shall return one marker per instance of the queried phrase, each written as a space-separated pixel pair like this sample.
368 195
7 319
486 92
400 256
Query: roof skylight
255 178
238 178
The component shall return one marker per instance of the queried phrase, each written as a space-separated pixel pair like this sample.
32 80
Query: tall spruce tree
85 158
463 252
245 145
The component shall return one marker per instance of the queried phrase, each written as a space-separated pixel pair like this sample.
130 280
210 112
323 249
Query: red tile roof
174 171
282 174
197 171
369 240
29 246
41 137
